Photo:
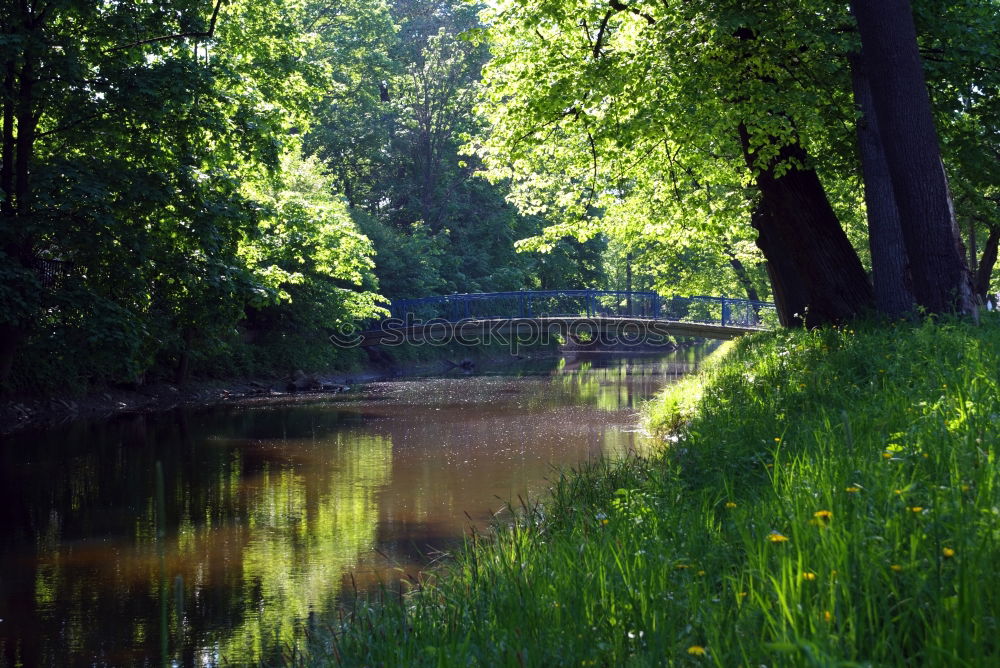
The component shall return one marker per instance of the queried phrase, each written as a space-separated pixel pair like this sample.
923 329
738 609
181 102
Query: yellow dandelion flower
896 568
681 567
604 522
827 616
776 537
701 572
808 575
777 439
965 488
824 516
696 650
916 509
852 489
887 455
948 553
730 504
898 491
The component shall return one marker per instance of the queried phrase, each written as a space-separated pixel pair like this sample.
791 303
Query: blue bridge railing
586 303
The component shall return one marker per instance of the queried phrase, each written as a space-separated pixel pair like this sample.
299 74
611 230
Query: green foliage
831 500
173 193
622 119
410 262
169 185
391 129
316 266
156 167
623 122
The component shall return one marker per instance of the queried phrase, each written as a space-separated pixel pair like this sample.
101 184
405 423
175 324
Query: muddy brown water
275 515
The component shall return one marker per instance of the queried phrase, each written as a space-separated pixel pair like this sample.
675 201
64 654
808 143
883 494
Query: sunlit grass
831 499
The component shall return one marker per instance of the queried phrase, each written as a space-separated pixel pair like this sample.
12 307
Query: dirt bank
16 413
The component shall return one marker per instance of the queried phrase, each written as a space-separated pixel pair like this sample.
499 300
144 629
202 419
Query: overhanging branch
180 35
620 6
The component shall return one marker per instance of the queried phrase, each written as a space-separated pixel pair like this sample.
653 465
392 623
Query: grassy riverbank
828 497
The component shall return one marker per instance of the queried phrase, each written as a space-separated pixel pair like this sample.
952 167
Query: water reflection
273 514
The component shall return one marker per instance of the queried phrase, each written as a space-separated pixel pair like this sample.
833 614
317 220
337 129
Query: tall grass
830 498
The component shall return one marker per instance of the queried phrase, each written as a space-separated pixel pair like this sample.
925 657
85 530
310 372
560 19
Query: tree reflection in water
273 514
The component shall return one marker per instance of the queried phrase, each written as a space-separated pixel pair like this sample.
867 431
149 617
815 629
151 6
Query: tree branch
181 35
68 126
620 6
600 34
593 153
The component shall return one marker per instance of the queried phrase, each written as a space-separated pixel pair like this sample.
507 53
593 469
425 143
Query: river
273 515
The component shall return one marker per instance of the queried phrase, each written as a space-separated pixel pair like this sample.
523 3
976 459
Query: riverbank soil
31 411
824 497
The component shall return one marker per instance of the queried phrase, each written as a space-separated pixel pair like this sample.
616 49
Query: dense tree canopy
392 134
716 115
202 187
131 133
194 186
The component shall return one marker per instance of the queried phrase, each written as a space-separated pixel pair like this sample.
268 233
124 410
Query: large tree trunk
790 296
17 147
890 274
10 338
27 121
941 280
7 142
815 265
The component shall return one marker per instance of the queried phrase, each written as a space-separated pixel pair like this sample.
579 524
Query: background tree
436 228
129 135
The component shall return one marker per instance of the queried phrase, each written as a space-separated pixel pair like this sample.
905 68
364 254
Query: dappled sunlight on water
274 514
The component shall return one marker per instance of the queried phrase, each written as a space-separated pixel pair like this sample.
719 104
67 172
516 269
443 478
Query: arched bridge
629 317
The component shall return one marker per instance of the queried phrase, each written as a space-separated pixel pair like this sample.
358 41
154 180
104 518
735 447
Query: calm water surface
273 515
